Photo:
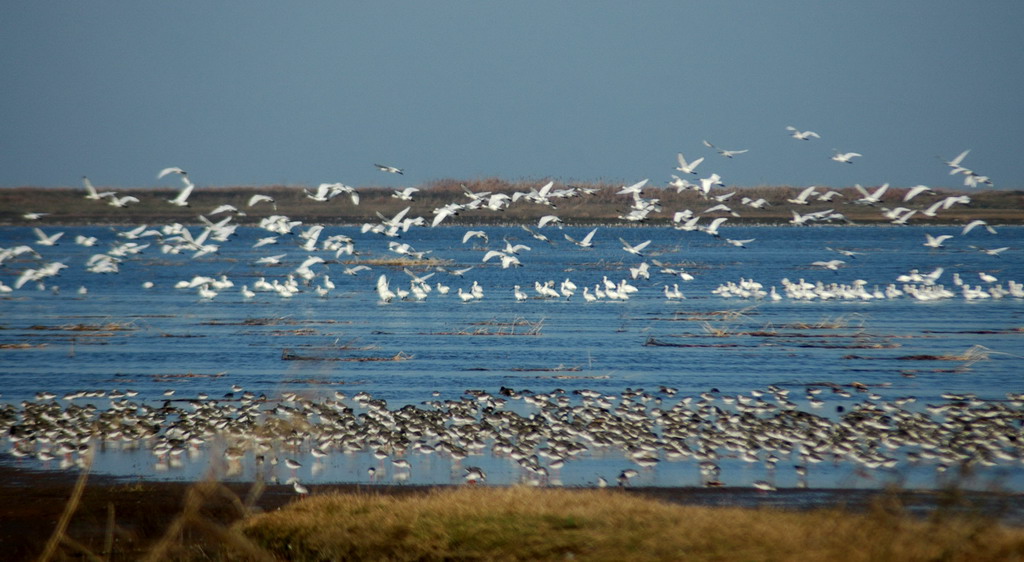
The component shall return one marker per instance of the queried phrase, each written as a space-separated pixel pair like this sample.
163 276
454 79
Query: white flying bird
91 193
260 198
405 194
548 219
801 199
470 234
915 191
632 189
991 251
739 243
385 293
507 260
635 250
46 239
723 152
707 183
845 157
225 209
355 269
389 169
712 228
271 260
171 170
181 200
936 241
871 198
830 264
801 135
116 201
586 242
687 167
976 223
954 164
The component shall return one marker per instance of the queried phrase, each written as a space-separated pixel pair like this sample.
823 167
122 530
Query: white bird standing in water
518 293
567 288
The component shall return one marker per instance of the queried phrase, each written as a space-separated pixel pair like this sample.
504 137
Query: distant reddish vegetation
605 206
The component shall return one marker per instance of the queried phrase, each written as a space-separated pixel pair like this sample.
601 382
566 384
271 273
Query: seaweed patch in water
288 355
108 327
651 341
319 381
22 345
161 377
549 369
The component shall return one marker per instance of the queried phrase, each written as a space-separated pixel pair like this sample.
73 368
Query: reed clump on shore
519 523
210 520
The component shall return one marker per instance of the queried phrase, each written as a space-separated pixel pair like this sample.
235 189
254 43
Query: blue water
171 339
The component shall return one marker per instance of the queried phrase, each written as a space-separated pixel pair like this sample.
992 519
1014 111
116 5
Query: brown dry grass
530 524
210 521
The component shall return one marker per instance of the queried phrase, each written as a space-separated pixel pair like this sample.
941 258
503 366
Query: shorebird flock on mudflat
769 429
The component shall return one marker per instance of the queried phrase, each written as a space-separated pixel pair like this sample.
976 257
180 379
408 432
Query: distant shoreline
68 206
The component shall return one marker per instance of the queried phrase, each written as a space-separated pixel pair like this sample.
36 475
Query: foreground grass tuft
530 524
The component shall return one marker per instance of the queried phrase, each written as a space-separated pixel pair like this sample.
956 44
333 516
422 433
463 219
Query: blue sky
260 93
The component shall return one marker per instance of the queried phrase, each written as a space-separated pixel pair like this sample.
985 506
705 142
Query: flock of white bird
312 274
778 431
